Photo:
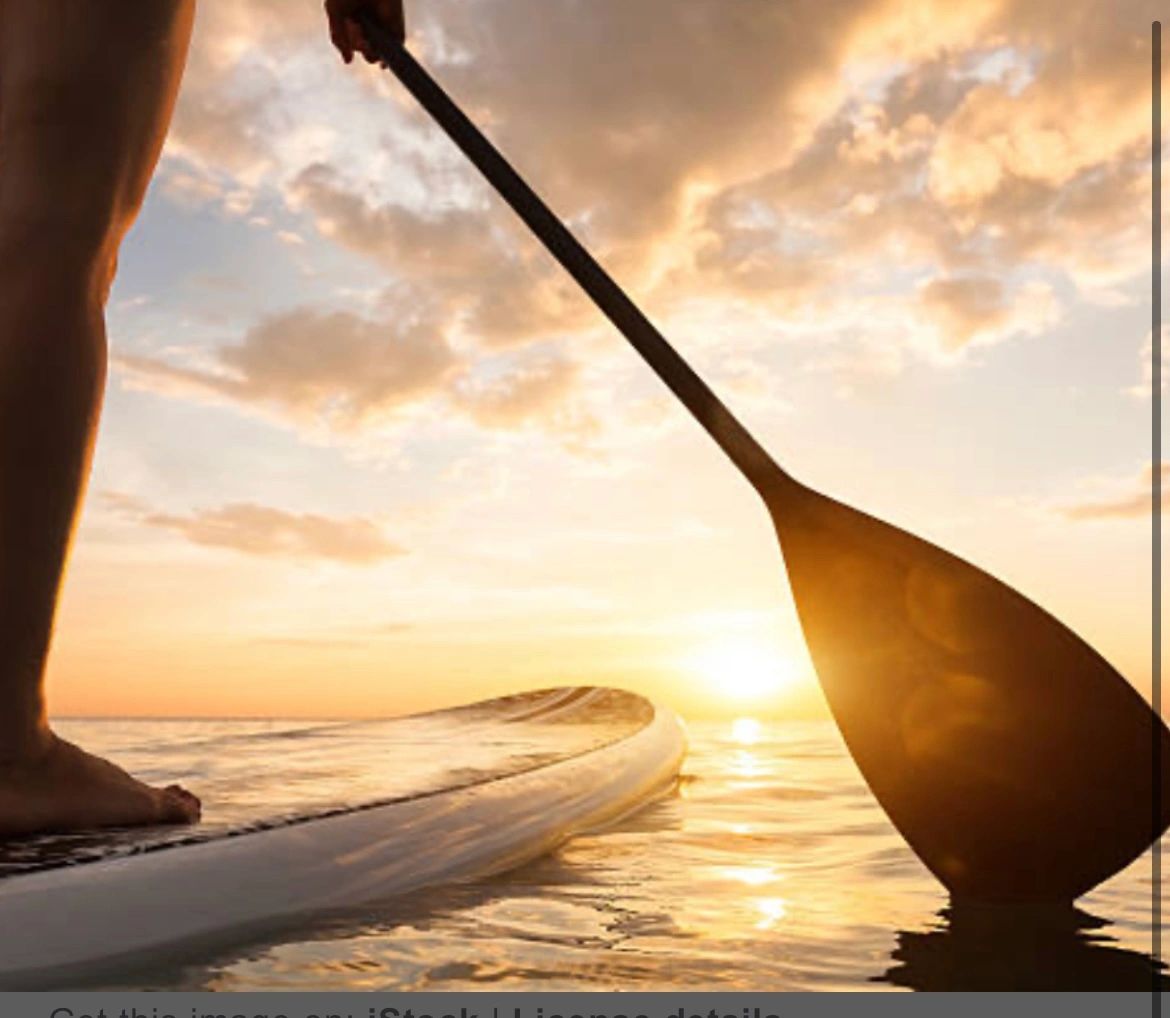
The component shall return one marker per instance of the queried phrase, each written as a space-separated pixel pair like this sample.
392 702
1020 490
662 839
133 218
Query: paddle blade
1017 763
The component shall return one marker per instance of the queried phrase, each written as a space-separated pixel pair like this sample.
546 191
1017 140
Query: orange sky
365 450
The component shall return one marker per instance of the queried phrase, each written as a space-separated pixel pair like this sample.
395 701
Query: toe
192 798
178 806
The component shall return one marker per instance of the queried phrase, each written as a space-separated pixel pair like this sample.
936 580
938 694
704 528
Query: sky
365 450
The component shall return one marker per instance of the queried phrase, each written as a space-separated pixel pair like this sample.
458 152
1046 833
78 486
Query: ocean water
769 867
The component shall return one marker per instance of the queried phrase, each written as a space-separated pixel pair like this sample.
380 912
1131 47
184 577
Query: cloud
344 374
262 530
191 190
617 143
969 309
502 289
315 367
515 397
964 306
1135 504
747 250
437 243
952 164
1096 63
229 113
974 161
1047 162
538 390
623 136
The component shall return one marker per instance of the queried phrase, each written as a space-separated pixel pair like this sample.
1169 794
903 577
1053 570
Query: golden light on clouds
403 463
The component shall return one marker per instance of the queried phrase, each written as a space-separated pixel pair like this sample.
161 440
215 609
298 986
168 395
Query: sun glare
744 670
772 910
746 731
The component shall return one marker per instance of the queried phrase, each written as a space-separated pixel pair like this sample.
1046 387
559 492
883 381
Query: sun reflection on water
746 731
753 876
744 762
793 881
772 910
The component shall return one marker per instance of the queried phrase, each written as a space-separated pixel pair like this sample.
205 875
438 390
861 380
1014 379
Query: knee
76 247
72 181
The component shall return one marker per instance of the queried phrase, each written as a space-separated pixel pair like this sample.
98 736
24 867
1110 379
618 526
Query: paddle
1016 762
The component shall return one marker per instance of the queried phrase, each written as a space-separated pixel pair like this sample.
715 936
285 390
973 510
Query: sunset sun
743 669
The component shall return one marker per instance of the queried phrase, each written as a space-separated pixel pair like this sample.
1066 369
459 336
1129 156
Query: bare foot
62 788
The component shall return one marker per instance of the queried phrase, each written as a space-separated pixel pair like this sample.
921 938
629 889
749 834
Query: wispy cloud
496 287
1136 503
331 368
960 159
266 531
979 309
342 375
537 390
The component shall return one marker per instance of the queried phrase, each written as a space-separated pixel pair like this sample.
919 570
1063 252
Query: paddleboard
315 819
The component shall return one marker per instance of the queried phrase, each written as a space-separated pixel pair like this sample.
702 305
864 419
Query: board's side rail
217 893
199 837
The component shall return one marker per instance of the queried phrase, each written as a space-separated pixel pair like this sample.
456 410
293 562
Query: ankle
26 744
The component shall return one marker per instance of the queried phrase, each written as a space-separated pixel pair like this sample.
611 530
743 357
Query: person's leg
86 92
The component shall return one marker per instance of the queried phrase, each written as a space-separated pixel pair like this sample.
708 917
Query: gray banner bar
569 1005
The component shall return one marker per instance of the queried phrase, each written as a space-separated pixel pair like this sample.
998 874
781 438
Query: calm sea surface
770 867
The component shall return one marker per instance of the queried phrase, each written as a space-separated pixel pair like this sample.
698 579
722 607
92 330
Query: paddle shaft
731 436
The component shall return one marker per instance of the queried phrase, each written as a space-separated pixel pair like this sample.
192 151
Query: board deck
314 818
